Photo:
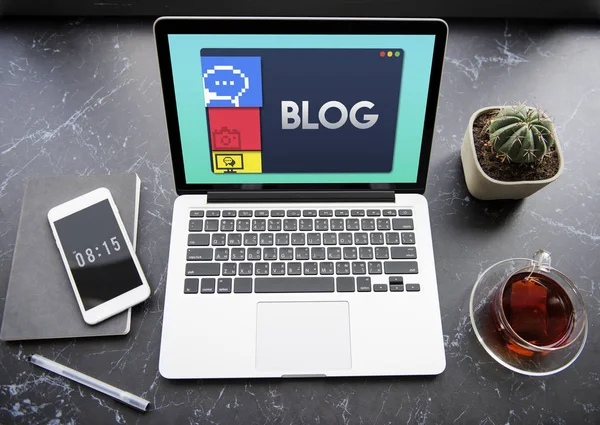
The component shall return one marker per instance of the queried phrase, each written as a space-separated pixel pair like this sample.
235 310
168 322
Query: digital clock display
98 257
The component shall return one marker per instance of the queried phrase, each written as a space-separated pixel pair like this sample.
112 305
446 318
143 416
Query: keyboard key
404 252
342 213
313 239
274 225
373 213
306 224
213 213
253 254
350 253
302 254
309 213
402 224
400 267
229 269
242 225
269 254
317 253
261 213
376 238
207 286
234 239
197 213
396 279
405 213
345 284
261 269
382 253
245 269
238 254
265 285
266 239
325 213
202 269
342 267
352 224
408 238
389 213
199 239
242 285
413 287
250 239
245 213
334 253
298 238
218 239
195 225
259 225
199 254
282 239
294 268
190 286
310 268
337 224
229 213
290 224
383 224
365 253
396 287
286 253
345 238
293 213
392 238
278 213
224 285
227 225
329 239
357 213
277 269
375 267
359 267
321 224
361 238
326 268
367 224
363 284
380 287
222 254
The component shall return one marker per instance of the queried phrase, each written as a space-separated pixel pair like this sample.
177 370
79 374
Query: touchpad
303 337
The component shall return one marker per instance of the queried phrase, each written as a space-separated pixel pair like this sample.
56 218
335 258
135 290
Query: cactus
521 134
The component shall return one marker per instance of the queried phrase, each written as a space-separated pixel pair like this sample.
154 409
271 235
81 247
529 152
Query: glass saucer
480 311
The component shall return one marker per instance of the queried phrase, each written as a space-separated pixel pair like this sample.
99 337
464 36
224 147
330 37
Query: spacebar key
202 269
271 285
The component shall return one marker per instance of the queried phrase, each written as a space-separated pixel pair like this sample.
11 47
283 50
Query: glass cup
529 316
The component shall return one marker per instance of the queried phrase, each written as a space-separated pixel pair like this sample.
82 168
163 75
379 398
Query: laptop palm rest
303 338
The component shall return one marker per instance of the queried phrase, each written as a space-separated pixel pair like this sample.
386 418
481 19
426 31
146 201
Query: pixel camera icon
232 81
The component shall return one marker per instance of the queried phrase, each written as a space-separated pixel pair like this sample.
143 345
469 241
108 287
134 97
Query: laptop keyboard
299 251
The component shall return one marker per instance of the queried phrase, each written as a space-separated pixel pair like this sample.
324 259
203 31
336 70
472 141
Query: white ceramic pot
483 187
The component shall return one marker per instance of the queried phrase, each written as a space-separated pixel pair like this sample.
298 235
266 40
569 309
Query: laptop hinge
302 196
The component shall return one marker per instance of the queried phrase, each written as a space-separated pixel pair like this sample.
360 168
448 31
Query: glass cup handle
541 259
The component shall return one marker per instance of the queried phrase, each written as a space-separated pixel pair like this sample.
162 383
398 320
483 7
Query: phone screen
100 262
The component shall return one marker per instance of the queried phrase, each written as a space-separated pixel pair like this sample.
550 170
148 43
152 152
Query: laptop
301 243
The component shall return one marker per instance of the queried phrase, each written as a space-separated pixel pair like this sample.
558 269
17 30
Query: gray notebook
40 302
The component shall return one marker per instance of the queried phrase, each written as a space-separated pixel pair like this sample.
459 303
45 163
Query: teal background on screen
193 126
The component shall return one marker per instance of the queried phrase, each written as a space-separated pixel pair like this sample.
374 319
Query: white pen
123 396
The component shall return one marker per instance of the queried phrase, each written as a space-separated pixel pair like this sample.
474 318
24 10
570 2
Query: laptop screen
301 109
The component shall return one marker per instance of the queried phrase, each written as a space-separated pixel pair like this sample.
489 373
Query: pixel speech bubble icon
232 81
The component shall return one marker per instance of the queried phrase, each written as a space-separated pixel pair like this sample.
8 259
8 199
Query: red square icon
234 129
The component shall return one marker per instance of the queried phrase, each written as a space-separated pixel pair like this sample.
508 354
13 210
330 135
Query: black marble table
83 97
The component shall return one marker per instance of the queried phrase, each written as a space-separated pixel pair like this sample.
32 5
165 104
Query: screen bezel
123 301
163 27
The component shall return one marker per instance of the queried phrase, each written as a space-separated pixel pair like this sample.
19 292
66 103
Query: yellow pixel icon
237 162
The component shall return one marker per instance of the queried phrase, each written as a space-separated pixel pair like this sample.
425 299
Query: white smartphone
101 263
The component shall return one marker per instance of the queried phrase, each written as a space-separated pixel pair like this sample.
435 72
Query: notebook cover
40 303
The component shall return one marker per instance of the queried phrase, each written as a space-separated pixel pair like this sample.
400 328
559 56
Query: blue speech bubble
232 81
